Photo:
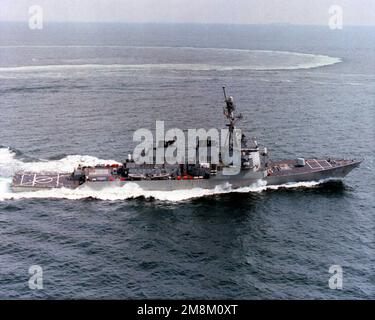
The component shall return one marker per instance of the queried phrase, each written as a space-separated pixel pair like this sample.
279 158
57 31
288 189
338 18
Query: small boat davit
254 167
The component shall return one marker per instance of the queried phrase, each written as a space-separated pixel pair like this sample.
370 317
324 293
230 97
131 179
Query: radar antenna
230 108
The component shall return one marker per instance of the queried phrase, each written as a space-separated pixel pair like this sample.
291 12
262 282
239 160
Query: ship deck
288 167
43 180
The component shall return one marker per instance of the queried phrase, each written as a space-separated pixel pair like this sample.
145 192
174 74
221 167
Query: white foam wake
215 61
9 164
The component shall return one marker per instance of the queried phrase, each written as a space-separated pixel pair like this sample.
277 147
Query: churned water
76 93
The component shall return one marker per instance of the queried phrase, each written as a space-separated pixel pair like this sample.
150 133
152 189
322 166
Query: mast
229 113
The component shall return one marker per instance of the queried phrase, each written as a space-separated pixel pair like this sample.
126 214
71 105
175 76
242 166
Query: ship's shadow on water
327 188
332 187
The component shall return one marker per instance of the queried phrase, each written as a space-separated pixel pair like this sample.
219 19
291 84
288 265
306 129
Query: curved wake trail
216 59
9 164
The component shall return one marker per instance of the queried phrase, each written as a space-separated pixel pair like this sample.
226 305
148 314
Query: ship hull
170 185
279 173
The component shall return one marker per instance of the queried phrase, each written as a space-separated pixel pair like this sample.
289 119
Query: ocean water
76 93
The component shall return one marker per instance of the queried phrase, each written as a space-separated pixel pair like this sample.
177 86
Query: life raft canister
187 177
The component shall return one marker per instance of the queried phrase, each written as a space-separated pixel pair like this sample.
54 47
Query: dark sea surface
72 93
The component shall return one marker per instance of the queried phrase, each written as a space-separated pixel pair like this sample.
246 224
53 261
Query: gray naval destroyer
255 167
